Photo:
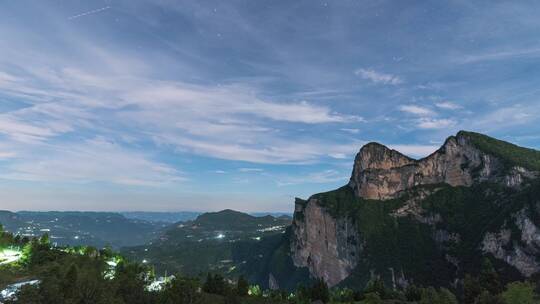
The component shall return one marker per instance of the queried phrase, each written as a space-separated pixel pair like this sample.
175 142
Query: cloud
501 55
505 117
89 13
416 110
427 123
95 160
350 130
322 177
7 154
378 77
245 170
447 105
223 121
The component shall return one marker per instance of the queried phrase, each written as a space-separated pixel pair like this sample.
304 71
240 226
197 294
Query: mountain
428 221
82 228
227 242
164 217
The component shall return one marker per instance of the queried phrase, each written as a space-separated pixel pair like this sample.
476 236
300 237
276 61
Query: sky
205 105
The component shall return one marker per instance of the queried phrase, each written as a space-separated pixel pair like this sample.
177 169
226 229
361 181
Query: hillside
429 221
227 242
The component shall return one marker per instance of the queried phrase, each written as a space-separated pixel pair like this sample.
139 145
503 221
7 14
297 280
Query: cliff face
331 246
328 246
381 173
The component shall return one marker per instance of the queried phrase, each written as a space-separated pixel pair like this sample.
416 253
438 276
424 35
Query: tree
447 297
215 284
376 286
182 291
471 289
372 298
413 293
45 240
242 286
487 298
319 291
489 279
519 293
69 282
429 296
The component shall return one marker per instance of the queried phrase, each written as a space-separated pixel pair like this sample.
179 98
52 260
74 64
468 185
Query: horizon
175 106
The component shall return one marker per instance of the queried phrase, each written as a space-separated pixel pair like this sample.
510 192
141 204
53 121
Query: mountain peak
467 157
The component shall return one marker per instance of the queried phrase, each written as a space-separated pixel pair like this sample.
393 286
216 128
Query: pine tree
489 279
242 286
319 291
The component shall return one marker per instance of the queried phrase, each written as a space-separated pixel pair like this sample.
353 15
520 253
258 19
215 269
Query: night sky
205 105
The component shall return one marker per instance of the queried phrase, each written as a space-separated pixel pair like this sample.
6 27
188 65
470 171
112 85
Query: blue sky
205 105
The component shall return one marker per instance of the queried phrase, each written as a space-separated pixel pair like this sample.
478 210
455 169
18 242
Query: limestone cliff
328 246
332 246
381 173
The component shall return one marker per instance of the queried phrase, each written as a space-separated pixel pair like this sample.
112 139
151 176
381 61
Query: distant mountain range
181 216
97 228
82 228
228 242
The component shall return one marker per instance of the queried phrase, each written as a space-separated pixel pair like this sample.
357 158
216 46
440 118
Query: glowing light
8 256
144 261
220 236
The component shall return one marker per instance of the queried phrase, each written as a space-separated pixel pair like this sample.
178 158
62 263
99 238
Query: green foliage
215 283
471 289
487 298
447 297
319 291
520 293
182 291
376 286
413 293
387 240
489 278
242 286
372 298
509 153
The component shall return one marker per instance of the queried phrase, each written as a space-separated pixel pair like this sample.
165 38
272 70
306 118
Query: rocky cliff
466 195
381 173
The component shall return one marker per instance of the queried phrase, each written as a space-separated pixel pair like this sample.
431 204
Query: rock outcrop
382 173
331 246
522 255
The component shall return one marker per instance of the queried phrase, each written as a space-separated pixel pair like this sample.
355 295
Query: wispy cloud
378 77
95 160
448 105
89 13
322 177
350 130
246 170
428 123
501 55
416 110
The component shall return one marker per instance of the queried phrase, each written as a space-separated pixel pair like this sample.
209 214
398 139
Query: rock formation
331 246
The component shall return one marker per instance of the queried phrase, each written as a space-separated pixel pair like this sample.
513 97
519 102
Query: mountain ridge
419 209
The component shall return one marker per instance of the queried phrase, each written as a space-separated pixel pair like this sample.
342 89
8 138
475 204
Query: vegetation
69 275
511 154
228 243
